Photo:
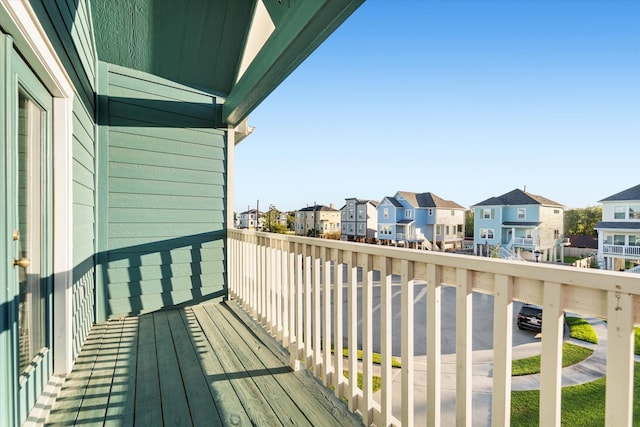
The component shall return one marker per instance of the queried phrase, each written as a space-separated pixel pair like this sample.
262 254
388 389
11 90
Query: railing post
407 343
352 328
464 309
551 358
386 331
326 318
434 339
337 326
317 314
366 406
502 349
620 360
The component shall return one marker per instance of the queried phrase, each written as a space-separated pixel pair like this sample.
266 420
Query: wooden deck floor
203 365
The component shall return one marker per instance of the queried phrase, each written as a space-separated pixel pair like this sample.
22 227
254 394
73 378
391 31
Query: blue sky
464 99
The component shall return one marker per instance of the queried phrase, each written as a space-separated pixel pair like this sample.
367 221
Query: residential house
421 220
359 220
619 230
519 225
118 123
317 221
251 219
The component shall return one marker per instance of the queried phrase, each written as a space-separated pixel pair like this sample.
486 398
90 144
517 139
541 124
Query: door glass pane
31 305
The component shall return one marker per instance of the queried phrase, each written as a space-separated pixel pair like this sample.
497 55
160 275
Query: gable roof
428 200
632 193
393 201
518 197
318 208
363 201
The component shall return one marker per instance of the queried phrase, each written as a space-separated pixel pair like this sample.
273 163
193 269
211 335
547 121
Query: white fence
286 283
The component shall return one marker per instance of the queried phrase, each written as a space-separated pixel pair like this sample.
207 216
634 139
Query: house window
408 213
350 215
529 234
385 213
447 229
385 230
430 211
350 228
634 240
361 214
521 213
360 228
619 212
486 233
438 229
556 211
459 228
618 239
634 212
453 213
487 213
344 215
556 234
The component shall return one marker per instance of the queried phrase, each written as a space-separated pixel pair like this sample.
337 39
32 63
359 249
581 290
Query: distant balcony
288 285
621 251
524 241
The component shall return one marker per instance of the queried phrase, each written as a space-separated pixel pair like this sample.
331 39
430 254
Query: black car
530 317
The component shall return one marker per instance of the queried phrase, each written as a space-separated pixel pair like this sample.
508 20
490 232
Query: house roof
239 50
318 208
618 225
582 241
394 201
632 193
428 200
518 197
363 201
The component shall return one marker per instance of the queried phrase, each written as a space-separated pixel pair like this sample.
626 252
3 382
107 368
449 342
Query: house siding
165 180
68 26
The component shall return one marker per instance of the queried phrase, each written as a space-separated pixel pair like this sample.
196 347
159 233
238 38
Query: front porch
207 364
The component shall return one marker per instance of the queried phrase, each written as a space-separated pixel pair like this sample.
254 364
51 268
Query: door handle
23 262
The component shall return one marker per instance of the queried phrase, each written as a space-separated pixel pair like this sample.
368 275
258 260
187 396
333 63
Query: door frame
26 35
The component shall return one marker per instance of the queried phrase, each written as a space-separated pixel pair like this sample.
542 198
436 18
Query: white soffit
261 29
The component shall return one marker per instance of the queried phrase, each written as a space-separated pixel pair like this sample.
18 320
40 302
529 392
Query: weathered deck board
208 364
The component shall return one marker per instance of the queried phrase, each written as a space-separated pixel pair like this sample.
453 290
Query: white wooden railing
286 283
622 250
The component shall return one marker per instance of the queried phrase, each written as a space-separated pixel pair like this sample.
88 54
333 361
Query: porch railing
287 284
622 250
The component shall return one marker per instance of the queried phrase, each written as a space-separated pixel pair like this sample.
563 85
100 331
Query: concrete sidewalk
590 369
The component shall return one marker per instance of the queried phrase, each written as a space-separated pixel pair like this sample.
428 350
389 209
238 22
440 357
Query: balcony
287 284
252 358
621 251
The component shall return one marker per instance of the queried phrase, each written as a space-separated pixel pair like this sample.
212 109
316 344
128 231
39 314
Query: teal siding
69 27
164 181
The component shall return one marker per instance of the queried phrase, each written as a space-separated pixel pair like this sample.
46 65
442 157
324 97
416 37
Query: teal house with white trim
118 125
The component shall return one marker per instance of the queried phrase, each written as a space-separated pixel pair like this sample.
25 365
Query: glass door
26 314
32 305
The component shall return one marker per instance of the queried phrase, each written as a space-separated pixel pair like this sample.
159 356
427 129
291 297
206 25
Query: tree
582 221
468 223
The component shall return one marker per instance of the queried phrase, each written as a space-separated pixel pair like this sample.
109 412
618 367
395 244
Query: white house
619 230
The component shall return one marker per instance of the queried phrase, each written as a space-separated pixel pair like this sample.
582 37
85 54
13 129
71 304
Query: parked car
530 317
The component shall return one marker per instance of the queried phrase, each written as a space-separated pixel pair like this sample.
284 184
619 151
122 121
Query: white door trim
20 21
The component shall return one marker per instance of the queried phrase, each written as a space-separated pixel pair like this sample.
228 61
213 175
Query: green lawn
582 405
571 354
